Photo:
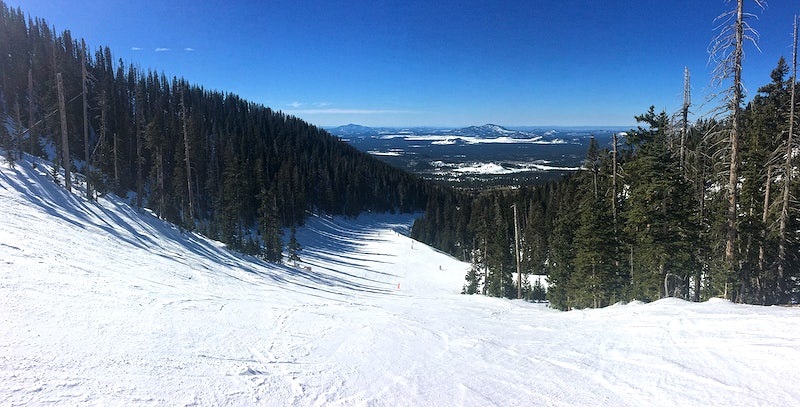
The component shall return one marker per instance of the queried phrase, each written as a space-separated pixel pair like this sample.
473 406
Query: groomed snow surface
101 304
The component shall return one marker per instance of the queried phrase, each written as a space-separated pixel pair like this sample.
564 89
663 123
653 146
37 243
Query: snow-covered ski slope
104 305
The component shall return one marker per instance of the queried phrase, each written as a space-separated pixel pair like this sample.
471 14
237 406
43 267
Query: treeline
647 216
235 170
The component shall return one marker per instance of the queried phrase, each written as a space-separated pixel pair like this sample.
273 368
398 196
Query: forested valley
676 208
206 160
645 219
673 208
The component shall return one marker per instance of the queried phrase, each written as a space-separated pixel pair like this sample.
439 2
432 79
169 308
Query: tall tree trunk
57 158
687 101
102 101
186 156
140 140
733 173
32 140
116 161
700 162
15 141
84 79
764 218
64 139
787 177
614 181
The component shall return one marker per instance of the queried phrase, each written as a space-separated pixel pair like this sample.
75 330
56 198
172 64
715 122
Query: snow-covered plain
101 304
447 139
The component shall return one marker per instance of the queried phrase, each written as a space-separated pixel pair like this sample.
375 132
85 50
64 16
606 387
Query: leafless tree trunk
687 101
64 139
787 175
102 102
31 138
57 158
733 173
15 141
140 140
727 50
614 139
185 119
764 218
116 161
84 79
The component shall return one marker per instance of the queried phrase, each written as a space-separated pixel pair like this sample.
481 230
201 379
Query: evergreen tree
294 248
474 274
561 256
659 220
592 281
538 292
269 227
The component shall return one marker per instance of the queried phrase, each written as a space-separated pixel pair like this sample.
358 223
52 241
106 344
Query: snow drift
106 305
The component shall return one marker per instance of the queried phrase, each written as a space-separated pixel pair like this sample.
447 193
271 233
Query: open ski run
101 304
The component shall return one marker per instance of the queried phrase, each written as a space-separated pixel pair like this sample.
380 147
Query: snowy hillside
104 305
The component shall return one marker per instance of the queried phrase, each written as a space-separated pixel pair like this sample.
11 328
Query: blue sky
431 63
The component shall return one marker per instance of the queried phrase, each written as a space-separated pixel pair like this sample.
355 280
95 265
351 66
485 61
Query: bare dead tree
31 138
15 140
727 52
64 139
140 140
84 92
787 173
687 101
614 193
184 119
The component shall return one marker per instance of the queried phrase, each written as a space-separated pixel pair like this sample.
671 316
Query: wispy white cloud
136 48
162 49
189 49
349 111
297 105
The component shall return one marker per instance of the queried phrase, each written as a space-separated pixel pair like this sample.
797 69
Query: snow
436 139
102 304
483 168
391 153
491 168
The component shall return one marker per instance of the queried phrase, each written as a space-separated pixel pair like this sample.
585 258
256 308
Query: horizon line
538 126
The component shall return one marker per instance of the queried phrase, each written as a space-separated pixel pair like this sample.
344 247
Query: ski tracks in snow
105 305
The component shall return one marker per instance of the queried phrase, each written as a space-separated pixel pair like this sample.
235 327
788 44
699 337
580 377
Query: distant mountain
352 130
486 131
491 131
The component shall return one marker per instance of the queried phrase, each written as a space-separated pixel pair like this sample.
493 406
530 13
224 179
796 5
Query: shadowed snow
102 304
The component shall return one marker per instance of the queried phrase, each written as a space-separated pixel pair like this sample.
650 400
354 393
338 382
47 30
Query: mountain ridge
488 131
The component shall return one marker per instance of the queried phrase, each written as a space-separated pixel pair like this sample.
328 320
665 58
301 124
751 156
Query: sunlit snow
101 304
436 139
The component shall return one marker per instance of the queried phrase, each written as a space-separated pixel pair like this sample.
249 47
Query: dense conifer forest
669 209
642 221
207 160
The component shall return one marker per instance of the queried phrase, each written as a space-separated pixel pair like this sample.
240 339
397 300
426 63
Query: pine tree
474 274
659 219
294 248
269 227
561 254
592 281
764 122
